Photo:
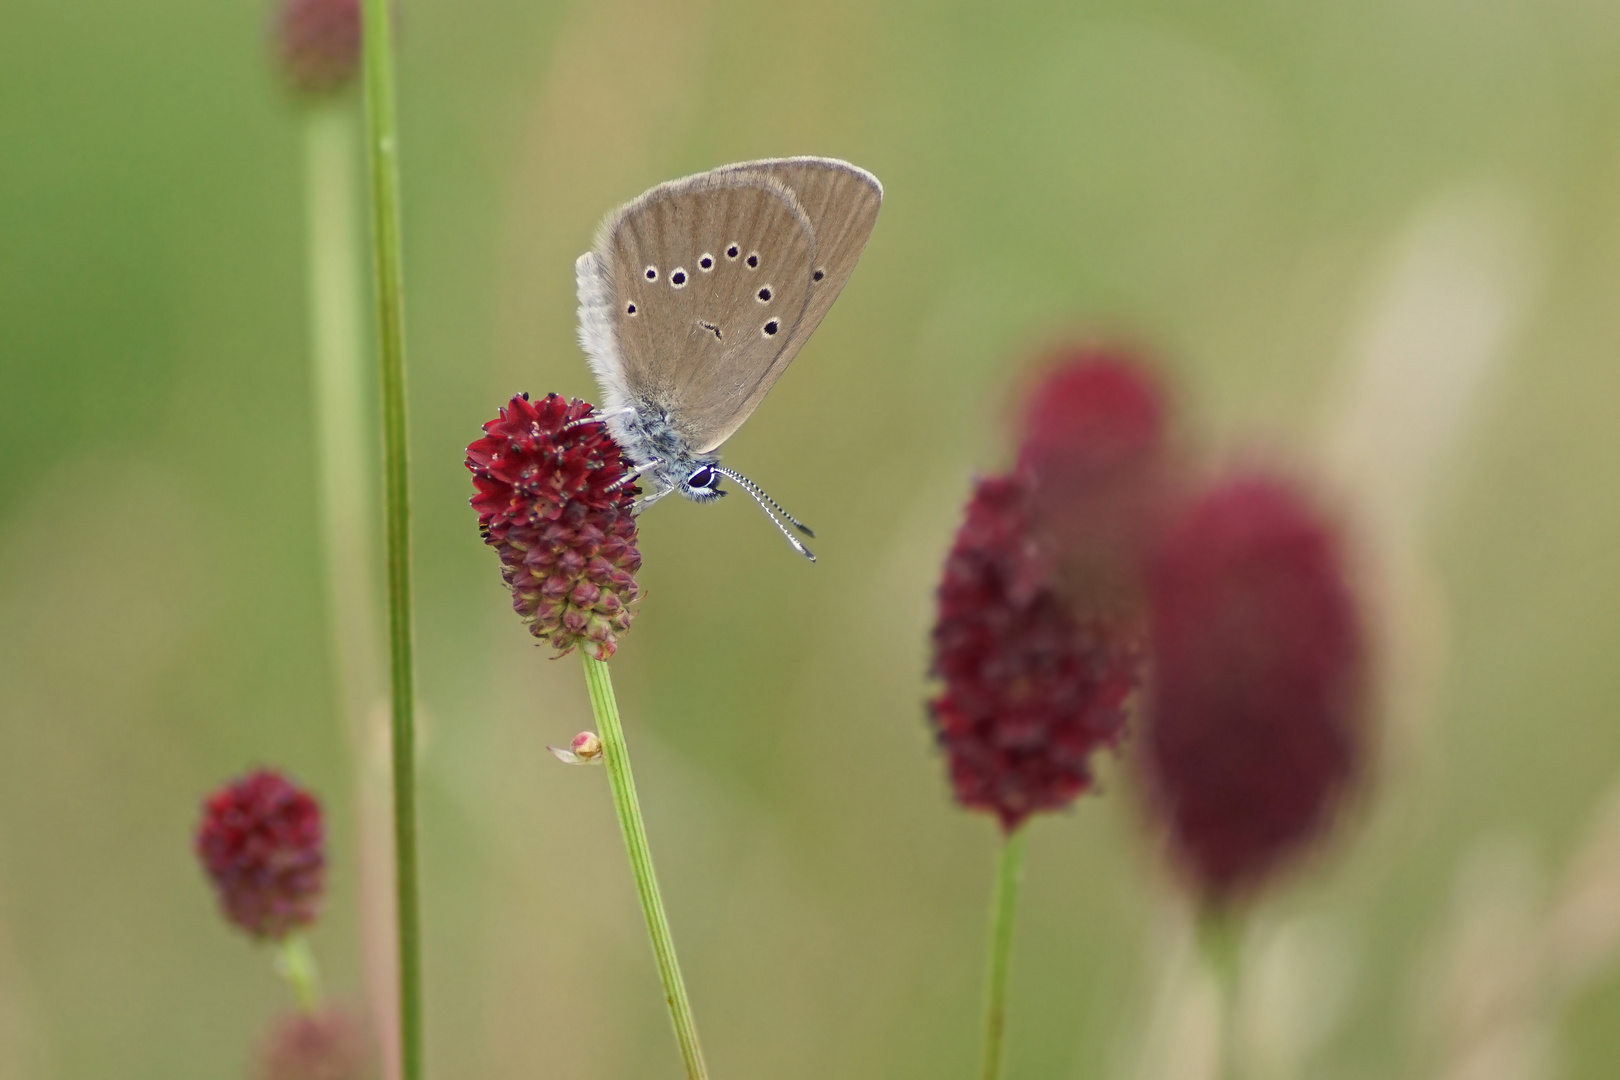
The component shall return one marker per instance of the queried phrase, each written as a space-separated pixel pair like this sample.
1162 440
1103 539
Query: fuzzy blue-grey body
662 456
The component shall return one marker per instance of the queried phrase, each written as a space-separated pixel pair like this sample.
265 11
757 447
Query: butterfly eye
702 477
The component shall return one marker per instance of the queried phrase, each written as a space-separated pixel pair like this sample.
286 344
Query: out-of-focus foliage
1380 240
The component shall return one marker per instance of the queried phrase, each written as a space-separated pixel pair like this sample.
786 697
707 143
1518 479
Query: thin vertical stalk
1009 871
383 157
1220 940
616 755
342 426
344 441
296 962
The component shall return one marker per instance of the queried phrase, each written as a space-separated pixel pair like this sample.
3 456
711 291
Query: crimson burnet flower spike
1031 687
1253 730
318 44
554 499
1038 641
262 843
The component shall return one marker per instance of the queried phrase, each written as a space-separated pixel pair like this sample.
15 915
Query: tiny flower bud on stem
585 749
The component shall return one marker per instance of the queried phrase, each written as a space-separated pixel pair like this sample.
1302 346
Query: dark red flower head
553 502
324 1045
318 42
263 845
1093 455
1252 732
1031 688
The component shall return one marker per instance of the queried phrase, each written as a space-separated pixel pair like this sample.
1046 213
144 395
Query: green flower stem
1009 869
338 374
383 157
617 756
345 440
296 963
1220 940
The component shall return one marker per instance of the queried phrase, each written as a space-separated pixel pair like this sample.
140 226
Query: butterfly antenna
759 493
765 504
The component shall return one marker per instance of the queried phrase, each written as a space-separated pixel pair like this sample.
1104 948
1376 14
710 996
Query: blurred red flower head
262 843
318 43
554 501
327 1044
1253 727
1094 457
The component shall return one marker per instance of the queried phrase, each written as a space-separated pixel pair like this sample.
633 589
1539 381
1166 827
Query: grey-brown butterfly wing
842 203
690 296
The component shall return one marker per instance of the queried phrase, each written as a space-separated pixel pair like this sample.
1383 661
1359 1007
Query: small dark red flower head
263 845
318 43
553 501
1031 688
1094 457
1253 728
327 1044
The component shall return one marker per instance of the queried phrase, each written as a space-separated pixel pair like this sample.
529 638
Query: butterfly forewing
841 203
710 277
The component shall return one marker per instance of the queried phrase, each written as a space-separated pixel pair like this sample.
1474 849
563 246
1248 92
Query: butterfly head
702 484
669 466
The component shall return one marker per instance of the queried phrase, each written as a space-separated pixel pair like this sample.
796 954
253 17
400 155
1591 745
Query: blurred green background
1381 240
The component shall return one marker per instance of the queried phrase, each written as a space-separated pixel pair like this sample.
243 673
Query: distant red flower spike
554 501
318 42
263 845
328 1044
1253 728
1031 690
1094 456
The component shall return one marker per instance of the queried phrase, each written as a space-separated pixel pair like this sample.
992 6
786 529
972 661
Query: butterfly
697 296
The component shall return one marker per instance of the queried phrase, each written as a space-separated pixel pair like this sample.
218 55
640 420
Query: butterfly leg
598 417
647 500
631 476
